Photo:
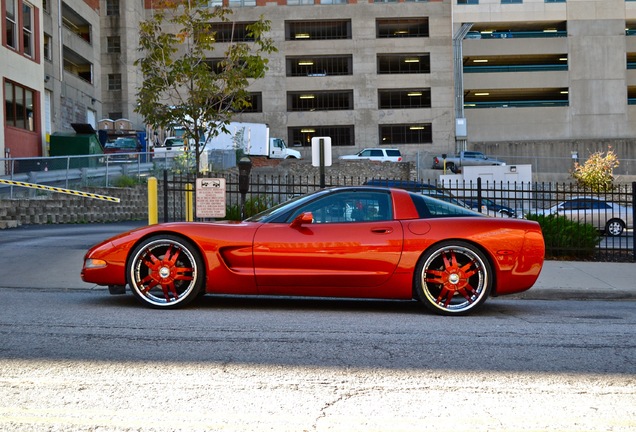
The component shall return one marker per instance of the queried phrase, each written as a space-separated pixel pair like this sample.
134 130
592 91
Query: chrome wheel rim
454 279
163 272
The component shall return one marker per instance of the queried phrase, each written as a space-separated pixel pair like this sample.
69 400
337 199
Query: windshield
281 208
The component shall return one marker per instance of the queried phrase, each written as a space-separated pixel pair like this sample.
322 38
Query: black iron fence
578 223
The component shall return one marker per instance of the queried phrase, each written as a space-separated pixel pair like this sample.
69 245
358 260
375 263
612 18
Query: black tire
614 227
453 278
165 272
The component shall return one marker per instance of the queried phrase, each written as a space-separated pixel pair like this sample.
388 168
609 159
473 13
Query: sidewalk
584 281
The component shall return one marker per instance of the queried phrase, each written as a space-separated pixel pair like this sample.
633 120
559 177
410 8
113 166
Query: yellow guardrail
59 190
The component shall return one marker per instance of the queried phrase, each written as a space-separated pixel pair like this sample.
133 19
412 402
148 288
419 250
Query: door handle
382 230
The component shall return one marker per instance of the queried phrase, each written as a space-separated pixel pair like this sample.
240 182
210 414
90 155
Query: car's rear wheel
614 227
453 278
165 272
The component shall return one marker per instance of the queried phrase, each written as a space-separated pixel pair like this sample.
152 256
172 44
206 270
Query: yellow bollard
153 207
189 204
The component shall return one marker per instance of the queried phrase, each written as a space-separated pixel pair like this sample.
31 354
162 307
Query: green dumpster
83 142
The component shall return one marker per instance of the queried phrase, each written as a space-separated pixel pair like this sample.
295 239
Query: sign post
321 155
210 197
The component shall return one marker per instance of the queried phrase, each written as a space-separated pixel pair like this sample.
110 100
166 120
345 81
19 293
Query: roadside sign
210 197
321 151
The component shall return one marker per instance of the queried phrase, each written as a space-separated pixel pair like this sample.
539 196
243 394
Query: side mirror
304 218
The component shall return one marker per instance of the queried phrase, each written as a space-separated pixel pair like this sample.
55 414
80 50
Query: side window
345 207
377 153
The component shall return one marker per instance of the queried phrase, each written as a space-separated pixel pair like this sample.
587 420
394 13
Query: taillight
400 159
436 160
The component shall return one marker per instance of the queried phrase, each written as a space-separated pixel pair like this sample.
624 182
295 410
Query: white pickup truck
171 147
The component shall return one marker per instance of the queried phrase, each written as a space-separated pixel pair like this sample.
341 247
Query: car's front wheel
165 272
614 227
453 278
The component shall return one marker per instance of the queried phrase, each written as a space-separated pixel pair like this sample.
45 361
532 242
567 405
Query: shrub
565 238
597 173
253 206
126 181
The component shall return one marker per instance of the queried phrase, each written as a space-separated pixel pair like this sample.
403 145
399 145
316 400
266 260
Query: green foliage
597 173
183 164
565 238
180 85
253 206
125 181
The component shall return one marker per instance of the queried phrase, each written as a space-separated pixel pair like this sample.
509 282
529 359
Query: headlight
92 263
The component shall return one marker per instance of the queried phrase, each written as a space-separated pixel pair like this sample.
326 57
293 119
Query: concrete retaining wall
61 208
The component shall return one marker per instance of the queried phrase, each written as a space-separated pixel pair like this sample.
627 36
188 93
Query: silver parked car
606 216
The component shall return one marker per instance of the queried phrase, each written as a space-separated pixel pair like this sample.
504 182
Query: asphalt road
83 360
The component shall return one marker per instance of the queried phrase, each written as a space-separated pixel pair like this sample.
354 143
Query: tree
182 84
597 173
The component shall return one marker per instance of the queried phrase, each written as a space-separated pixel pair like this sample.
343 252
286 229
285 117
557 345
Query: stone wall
62 208
357 169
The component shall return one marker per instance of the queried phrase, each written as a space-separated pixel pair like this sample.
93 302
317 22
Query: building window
114 81
229 32
74 22
559 1
299 2
420 133
516 63
48 47
516 97
19 106
403 98
466 2
242 3
77 65
27 29
340 135
511 1
401 27
330 2
20 33
11 21
112 7
404 63
320 101
255 101
319 66
46 5
323 30
113 44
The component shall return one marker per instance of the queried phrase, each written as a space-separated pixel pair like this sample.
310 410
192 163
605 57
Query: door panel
341 257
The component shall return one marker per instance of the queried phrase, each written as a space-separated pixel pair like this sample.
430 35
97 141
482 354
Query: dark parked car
492 206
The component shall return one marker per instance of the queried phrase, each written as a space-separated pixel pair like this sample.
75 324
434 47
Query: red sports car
361 242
